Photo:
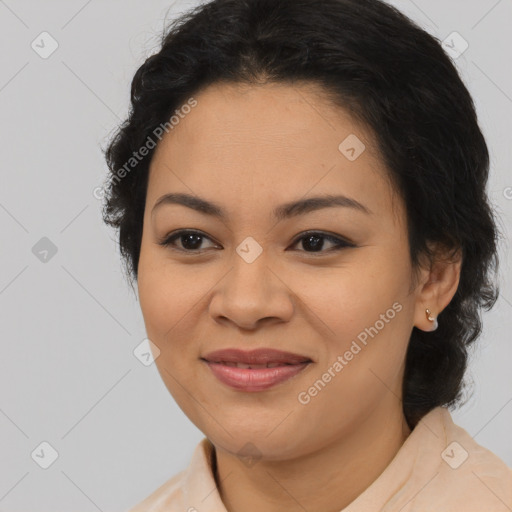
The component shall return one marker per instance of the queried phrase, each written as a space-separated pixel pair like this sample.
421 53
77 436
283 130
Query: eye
315 241
191 241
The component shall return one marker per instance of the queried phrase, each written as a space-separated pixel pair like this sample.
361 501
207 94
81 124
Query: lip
256 356
285 365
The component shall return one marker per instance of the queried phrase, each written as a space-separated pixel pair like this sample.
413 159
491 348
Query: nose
251 294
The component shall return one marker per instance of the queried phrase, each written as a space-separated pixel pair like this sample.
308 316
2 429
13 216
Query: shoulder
468 476
186 488
169 494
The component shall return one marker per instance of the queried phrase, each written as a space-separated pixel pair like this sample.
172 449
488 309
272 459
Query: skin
250 149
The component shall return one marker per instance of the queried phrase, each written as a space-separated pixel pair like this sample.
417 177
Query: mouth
255 370
252 366
254 358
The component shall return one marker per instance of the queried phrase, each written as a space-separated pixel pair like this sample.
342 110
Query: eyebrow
282 212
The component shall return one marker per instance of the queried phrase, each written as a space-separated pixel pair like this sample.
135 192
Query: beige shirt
439 468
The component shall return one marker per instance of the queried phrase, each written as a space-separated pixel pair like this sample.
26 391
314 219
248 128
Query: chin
257 440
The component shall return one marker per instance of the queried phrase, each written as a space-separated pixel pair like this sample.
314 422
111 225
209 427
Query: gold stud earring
431 319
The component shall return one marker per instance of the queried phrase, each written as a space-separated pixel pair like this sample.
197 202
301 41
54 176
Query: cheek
171 300
168 304
343 301
364 315
166 296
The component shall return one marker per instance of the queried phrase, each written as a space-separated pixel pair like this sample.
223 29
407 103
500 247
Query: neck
328 479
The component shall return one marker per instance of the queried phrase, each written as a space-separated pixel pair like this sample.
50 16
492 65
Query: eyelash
340 243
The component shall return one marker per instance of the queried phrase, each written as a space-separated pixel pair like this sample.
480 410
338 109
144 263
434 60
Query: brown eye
190 240
314 242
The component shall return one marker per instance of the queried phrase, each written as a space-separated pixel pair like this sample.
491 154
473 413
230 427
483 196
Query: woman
300 194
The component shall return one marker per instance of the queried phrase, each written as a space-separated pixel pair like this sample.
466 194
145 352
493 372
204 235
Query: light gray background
68 375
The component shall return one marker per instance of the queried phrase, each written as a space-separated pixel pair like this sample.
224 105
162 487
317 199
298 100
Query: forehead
292 118
268 143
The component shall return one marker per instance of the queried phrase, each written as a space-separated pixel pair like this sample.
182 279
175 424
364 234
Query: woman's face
254 280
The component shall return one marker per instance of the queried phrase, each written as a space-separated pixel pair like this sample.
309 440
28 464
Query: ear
437 286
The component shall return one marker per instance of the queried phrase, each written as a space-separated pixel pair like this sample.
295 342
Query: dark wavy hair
393 77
